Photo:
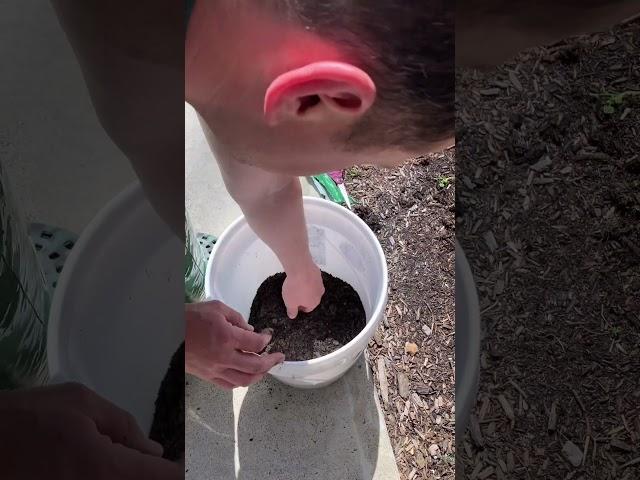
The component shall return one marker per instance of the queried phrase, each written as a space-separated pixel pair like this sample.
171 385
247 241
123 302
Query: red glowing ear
318 89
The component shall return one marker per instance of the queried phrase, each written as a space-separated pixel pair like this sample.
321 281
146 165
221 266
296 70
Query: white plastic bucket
341 244
117 314
467 342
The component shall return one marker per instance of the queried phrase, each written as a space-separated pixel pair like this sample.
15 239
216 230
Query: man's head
307 85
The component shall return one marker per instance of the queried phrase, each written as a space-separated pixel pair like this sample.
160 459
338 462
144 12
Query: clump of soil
168 420
368 216
336 321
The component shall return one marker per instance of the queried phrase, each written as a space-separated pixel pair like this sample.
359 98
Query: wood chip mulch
549 217
411 209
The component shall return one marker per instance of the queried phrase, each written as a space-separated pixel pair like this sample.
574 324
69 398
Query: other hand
302 290
222 348
68 432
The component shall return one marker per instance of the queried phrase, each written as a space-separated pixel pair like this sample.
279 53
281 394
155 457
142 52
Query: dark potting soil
168 420
337 320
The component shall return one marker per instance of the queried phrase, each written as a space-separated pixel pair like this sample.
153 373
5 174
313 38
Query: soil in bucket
336 321
168 420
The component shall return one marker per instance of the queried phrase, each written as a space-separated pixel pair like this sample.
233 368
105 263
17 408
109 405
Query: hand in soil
222 348
336 321
302 291
69 432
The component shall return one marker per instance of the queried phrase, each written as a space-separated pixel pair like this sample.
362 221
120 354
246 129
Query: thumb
292 312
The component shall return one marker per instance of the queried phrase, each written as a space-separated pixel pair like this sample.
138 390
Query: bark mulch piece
549 217
411 209
332 324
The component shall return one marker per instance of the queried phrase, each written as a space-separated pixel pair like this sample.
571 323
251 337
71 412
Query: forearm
278 219
271 203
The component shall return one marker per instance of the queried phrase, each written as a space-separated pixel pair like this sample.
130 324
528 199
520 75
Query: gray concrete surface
210 209
62 166
272 431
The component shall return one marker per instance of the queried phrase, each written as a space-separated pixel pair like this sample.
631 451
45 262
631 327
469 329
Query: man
285 89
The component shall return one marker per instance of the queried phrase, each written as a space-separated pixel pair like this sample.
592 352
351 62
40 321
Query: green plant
612 101
443 182
353 172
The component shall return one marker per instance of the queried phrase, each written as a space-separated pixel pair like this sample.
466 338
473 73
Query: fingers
232 316
119 425
255 364
292 312
294 309
250 341
133 465
122 428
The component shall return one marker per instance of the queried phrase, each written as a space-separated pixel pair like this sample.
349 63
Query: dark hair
408 49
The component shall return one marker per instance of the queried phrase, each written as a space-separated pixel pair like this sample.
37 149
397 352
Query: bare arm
272 205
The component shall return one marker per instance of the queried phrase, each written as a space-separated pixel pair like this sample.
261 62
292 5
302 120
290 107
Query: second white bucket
341 244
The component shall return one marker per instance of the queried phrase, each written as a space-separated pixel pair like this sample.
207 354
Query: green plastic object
24 301
331 190
207 242
195 265
53 246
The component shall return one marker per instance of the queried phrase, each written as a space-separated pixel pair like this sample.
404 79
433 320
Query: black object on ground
168 420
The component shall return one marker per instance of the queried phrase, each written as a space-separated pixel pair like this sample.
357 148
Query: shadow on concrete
209 432
331 433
